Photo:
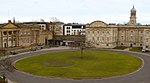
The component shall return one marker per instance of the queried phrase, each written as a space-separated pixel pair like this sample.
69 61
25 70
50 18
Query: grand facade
18 34
102 35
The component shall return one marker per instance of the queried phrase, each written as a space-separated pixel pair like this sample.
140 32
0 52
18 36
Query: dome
133 9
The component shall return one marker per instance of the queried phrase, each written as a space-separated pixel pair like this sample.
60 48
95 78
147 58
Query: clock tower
132 17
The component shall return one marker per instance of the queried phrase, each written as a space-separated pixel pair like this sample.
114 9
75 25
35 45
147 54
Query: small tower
14 20
132 17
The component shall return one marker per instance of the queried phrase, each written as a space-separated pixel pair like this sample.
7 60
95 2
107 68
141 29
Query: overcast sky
81 11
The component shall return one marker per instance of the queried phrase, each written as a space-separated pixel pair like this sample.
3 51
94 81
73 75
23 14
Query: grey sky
82 11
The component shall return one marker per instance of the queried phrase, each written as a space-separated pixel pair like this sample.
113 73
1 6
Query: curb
8 81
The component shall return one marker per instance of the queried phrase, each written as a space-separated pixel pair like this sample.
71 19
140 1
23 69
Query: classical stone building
132 34
56 28
19 34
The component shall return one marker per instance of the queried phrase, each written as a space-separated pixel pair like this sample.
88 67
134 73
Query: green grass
136 49
68 64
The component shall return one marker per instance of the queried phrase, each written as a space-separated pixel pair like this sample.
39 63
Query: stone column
18 38
1 39
7 38
12 38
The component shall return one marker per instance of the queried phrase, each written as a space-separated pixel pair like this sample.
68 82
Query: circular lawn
69 64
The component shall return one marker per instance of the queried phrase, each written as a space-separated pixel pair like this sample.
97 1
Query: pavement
140 76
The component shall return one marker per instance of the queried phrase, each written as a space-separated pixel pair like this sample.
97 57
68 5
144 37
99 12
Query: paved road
142 76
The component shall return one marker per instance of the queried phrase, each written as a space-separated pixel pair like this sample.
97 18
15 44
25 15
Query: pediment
9 26
98 24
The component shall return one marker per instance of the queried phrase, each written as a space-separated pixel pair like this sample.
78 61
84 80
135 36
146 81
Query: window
146 39
131 38
93 34
107 39
25 33
121 43
147 32
68 27
107 32
20 41
141 38
93 38
24 40
28 33
29 40
10 32
122 37
10 39
103 38
15 32
68 31
20 33
134 43
107 44
97 38
5 40
98 32
5 33
140 44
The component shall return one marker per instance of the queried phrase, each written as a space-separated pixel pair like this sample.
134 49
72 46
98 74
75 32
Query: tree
54 19
5 62
82 46
79 41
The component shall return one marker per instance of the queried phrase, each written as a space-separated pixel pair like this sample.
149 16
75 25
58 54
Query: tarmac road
140 76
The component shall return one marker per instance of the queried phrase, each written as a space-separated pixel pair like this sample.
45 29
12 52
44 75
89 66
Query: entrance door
130 45
45 41
5 45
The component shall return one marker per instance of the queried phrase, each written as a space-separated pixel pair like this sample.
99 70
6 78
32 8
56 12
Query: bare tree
80 43
5 63
82 48
54 19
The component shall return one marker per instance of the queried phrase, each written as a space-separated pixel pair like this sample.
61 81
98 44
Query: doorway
130 45
5 45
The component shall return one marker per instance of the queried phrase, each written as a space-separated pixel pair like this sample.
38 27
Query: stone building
66 34
19 34
56 28
133 34
43 25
